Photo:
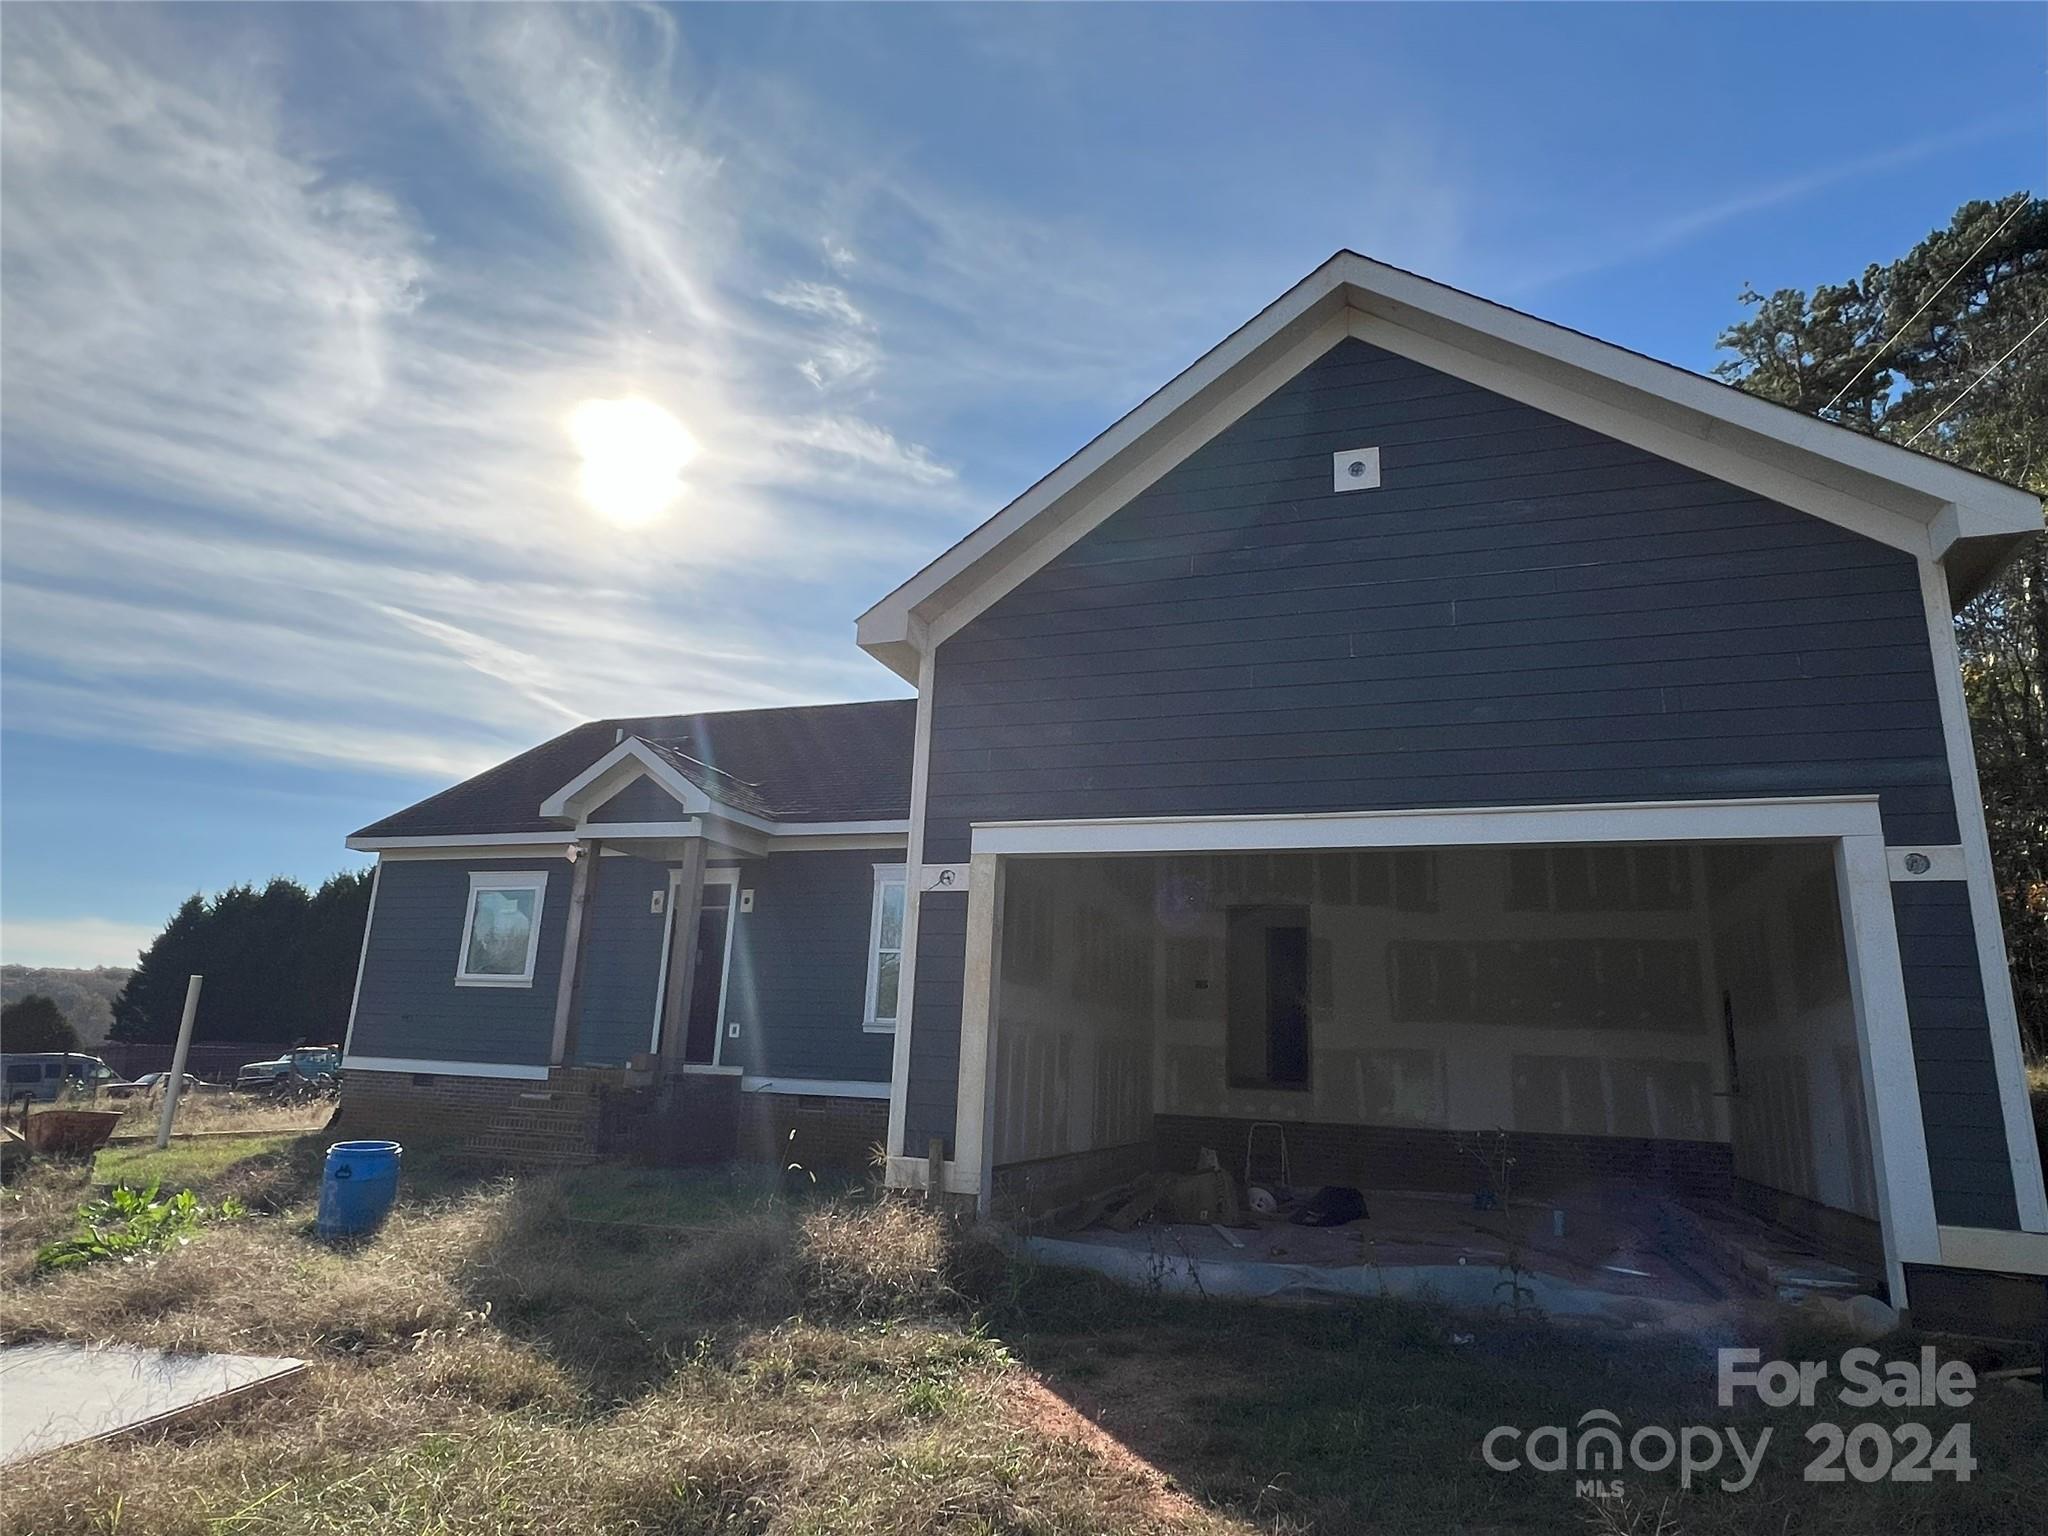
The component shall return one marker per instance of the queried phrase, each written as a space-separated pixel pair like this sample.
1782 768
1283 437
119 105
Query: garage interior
1636 1066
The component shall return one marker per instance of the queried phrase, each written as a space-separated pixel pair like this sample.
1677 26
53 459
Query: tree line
85 997
279 963
1945 350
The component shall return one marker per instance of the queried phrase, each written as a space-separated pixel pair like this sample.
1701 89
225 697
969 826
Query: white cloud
286 373
872 447
72 942
301 484
1654 236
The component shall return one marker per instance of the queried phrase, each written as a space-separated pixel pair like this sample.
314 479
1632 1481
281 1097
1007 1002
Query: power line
2038 326
1895 335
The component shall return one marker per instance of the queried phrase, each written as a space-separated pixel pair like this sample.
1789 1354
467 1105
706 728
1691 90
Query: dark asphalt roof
816 762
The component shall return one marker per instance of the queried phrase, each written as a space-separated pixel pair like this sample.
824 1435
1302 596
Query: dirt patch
1039 1410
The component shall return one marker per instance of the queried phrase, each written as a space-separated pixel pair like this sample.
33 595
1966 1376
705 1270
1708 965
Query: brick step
504 1129
541 1124
525 1151
493 1158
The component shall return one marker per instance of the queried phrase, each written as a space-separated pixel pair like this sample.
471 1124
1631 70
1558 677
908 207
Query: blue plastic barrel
358 1187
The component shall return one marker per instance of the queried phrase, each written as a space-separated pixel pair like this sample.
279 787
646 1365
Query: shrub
130 1221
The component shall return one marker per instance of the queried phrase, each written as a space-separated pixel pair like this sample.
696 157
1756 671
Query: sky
298 307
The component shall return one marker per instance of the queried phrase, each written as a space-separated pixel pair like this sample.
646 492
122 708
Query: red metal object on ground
72 1131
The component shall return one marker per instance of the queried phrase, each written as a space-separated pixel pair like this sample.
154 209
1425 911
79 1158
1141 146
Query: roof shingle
813 763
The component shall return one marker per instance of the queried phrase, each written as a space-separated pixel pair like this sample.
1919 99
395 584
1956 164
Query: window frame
481 880
886 875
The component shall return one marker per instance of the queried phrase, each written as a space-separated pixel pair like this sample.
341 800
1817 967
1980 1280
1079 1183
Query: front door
707 986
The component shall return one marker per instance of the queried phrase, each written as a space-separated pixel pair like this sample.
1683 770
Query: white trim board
2012 1253
1815 819
816 1087
2000 1011
630 759
1905 499
442 1068
725 874
455 844
355 1000
913 903
778 837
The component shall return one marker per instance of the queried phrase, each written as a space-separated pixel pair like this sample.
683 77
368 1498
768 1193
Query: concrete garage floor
1622 1255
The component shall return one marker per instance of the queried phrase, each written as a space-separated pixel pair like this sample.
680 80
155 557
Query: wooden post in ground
935 1171
177 1082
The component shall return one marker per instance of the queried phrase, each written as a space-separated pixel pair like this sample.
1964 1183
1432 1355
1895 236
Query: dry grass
216 1112
491 1363
486 1365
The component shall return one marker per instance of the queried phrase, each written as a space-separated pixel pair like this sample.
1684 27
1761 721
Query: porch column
682 957
974 1124
581 885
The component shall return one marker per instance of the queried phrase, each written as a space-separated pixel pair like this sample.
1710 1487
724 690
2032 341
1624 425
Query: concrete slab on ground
54 1395
1616 1254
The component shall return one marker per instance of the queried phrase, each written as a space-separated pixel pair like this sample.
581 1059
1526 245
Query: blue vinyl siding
410 1006
622 962
798 986
641 800
1525 612
1959 1101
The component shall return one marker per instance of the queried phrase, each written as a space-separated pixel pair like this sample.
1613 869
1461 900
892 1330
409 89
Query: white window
501 929
885 948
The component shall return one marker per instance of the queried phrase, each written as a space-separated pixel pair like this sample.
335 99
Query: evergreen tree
279 964
156 990
36 1023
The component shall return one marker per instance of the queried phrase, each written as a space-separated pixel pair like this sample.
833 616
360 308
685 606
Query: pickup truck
309 1071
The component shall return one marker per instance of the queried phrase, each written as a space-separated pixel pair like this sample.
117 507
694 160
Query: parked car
308 1071
152 1083
47 1076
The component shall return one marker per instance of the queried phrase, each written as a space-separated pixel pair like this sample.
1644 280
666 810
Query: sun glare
633 457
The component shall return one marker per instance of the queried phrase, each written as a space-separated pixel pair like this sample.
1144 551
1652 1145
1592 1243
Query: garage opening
1579 1035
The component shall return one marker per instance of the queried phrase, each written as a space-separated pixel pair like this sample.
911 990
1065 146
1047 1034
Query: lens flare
633 456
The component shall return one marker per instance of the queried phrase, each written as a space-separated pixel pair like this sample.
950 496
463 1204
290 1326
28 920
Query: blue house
1415 720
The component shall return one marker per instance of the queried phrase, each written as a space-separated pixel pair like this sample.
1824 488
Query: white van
46 1076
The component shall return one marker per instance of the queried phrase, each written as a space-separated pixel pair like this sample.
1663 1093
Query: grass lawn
654 1197
536 1356
185 1164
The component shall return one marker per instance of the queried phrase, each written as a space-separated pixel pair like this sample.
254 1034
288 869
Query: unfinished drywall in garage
1075 1006
1538 990
1799 1123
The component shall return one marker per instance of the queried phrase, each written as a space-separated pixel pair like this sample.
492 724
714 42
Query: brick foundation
1424 1158
583 1114
495 1119
832 1134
